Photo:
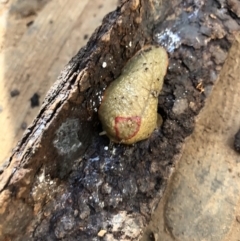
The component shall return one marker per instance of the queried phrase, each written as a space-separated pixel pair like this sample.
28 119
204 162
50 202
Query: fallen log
64 181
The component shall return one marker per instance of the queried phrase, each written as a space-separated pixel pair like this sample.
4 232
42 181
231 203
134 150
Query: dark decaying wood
64 181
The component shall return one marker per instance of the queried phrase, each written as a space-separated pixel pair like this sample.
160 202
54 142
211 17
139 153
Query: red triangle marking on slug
127 127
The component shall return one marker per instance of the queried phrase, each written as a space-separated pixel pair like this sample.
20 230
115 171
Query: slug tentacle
128 112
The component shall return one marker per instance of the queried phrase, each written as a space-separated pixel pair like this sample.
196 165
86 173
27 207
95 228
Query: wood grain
33 64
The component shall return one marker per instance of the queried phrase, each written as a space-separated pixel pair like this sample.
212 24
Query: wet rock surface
94 185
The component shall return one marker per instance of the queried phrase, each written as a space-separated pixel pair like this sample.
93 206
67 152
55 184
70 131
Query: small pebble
237 142
28 24
75 213
24 126
101 233
104 64
35 100
14 92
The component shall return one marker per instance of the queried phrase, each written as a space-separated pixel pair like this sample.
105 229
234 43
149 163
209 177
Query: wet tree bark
64 181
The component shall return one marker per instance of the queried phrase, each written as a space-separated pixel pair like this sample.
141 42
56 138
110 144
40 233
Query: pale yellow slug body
128 112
